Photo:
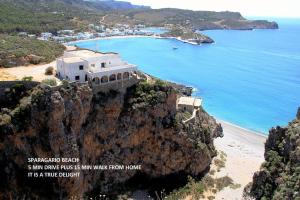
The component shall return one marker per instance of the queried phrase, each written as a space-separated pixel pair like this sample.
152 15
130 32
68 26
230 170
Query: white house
99 68
46 35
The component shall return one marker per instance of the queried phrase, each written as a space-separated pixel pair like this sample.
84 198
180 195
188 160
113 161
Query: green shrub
49 71
21 116
147 94
223 182
50 82
219 163
13 94
4 119
27 78
235 186
193 188
160 83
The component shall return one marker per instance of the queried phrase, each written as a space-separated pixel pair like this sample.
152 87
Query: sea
248 78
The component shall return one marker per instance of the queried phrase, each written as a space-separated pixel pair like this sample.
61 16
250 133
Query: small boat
175 48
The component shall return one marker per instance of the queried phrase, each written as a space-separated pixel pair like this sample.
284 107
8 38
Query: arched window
112 77
126 75
104 79
119 76
97 81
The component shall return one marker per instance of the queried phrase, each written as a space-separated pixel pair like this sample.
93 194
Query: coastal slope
139 126
51 16
18 50
279 176
194 20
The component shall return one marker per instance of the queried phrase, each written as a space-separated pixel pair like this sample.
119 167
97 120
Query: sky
271 8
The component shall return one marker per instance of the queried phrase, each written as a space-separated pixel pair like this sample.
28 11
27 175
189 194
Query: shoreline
244 150
247 130
111 37
132 36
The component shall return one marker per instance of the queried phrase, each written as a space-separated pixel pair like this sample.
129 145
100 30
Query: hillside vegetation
42 16
279 177
187 34
201 20
36 16
16 50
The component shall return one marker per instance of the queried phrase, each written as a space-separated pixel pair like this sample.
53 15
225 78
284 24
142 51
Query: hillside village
93 31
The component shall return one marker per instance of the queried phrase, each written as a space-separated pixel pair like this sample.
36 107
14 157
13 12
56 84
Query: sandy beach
245 154
132 36
113 37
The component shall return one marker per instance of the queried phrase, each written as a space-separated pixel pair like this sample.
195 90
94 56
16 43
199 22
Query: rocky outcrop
279 177
138 127
187 35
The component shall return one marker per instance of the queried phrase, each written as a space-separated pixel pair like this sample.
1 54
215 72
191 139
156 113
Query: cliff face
279 177
138 127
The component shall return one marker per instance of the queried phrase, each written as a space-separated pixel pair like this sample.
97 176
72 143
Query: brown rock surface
135 128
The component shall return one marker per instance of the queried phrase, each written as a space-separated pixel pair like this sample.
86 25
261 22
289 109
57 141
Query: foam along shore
132 36
245 153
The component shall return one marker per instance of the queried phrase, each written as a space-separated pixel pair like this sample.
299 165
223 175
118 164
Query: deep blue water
249 78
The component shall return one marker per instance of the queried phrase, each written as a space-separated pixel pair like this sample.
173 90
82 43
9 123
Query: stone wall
120 85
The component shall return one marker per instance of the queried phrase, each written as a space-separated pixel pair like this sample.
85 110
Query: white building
99 68
188 103
46 35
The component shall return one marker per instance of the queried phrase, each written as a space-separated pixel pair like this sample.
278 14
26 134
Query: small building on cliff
95 67
188 104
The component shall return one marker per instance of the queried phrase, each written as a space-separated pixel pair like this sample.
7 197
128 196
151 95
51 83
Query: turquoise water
249 78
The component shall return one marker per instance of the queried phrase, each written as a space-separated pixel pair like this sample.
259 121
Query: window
126 75
102 65
86 78
119 76
77 78
104 79
112 77
80 67
97 81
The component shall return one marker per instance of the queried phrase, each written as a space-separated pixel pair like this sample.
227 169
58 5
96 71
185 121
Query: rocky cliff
279 177
136 127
